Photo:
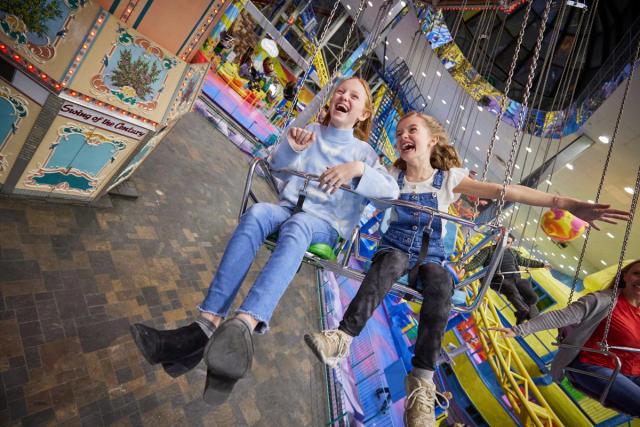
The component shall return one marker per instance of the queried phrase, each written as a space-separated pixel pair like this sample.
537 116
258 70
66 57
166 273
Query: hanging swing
605 348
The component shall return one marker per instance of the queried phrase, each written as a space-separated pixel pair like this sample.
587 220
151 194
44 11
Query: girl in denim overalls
428 173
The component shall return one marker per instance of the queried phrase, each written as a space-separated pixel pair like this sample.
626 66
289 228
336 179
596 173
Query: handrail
342 268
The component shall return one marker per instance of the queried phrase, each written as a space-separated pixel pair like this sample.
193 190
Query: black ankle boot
184 365
168 346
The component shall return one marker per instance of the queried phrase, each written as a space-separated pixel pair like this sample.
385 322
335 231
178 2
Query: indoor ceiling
472 128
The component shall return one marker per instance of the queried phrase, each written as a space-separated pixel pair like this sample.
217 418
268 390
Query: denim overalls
406 232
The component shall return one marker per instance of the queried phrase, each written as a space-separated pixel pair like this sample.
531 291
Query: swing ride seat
602 397
337 259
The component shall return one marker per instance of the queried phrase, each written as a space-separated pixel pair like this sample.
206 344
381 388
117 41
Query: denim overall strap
426 234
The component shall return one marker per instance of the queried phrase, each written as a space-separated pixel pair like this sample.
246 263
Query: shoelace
441 400
342 344
419 395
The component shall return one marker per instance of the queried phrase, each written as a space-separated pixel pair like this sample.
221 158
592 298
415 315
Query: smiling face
414 139
350 104
632 282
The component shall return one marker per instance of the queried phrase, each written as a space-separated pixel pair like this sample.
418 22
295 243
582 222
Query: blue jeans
296 233
624 394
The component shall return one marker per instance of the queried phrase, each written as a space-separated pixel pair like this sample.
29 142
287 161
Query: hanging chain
307 72
521 115
503 104
338 62
634 203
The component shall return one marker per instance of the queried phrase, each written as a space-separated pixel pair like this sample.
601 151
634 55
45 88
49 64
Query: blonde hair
362 129
624 271
443 155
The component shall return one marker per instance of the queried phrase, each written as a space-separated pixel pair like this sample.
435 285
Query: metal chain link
311 58
527 92
503 104
634 203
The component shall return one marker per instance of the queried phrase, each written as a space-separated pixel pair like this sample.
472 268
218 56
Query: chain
634 203
521 114
503 105
307 73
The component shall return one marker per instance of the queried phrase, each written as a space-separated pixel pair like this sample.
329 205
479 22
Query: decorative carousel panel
17 114
188 90
142 155
128 71
75 160
51 37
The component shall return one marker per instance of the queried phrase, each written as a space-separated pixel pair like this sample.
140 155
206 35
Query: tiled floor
72 279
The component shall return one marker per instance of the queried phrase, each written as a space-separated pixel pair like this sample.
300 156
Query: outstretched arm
589 212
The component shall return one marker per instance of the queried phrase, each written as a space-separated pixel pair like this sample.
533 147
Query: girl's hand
506 332
591 212
339 175
300 139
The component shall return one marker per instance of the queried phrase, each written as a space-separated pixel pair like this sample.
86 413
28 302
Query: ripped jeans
436 286
296 233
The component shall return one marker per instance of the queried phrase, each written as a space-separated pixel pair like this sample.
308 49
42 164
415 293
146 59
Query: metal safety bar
610 379
342 268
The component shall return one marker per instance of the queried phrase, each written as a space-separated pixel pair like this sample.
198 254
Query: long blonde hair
443 155
362 129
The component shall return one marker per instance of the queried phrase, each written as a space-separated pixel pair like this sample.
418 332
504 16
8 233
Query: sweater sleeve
284 156
570 315
376 180
527 262
478 260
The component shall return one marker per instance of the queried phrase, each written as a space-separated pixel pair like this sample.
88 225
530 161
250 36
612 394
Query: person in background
507 279
582 324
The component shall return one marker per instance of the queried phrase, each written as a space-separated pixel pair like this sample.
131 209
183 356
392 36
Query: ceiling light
389 13
370 4
585 271
528 222
561 265
462 107
480 108
569 166
475 165
540 238
424 105
423 74
478 132
529 150
572 268
411 73
386 58
398 40
348 7
477 148
429 97
546 253
575 257
563 256
602 262
444 102
438 73
387 41
603 139
548 182
497 138
516 207
517 166
535 220
628 190
466 160
610 235
448 122
552 254
403 4
590 201
463 128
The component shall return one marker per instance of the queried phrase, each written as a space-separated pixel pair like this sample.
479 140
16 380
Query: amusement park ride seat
336 259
